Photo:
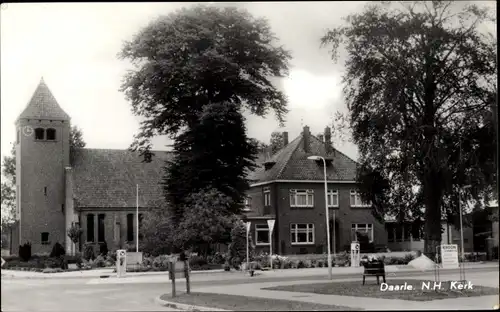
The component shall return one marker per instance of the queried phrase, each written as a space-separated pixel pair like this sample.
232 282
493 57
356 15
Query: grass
243 303
372 290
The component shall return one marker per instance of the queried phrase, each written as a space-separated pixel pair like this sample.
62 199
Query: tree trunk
432 194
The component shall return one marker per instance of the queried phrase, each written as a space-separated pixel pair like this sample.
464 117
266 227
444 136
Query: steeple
43 105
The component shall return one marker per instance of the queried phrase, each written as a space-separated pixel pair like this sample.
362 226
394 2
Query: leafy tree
276 142
260 146
74 233
157 232
207 211
238 246
215 153
196 56
420 86
76 141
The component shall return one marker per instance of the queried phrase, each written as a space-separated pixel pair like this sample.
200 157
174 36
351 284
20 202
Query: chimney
285 138
328 140
321 138
307 139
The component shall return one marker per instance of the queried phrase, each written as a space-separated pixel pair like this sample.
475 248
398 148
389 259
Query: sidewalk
196 275
366 303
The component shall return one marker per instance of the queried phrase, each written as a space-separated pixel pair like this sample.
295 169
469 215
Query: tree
260 146
74 233
75 142
420 85
196 56
276 142
238 246
215 153
157 232
209 212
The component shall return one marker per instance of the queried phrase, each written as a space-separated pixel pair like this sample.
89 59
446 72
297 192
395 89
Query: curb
183 306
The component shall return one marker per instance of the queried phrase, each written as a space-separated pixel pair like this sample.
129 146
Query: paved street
81 294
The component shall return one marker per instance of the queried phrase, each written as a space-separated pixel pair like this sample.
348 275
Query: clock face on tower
28 131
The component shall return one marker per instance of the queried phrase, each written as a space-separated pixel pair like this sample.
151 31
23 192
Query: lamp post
327 217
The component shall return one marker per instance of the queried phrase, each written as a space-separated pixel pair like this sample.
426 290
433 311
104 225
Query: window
390 232
301 198
261 234
45 190
247 206
51 134
302 234
62 208
90 228
333 198
267 197
141 217
39 134
130 227
45 238
356 200
362 229
100 228
417 231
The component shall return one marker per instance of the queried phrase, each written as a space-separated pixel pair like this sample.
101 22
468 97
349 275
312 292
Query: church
95 189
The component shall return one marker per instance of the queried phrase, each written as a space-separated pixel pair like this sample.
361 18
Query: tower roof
43 105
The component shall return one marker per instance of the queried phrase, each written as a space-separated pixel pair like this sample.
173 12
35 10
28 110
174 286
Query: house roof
107 178
43 105
291 163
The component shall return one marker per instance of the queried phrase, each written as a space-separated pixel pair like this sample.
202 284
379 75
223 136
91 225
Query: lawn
243 303
371 289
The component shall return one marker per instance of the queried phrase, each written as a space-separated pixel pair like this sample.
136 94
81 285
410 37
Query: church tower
42 156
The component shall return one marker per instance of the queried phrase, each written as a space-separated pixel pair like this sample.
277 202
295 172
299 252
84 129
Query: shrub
238 247
100 262
407 258
217 258
88 252
197 261
160 262
300 264
57 251
321 263
52 270
103 249
25 251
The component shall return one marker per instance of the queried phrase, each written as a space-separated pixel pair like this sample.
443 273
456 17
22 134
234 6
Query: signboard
270 224
3 262
449 256
248 226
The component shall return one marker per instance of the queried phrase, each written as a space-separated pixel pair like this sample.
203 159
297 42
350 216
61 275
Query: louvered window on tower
39 134
51 134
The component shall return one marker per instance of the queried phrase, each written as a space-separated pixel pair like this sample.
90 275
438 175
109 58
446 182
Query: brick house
96 188
289 188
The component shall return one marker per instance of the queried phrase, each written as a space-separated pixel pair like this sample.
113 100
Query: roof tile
43 105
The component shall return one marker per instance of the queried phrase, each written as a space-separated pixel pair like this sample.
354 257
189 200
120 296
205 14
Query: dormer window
39 134
51 134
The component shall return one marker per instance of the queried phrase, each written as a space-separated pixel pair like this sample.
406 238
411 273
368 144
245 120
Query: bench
375 268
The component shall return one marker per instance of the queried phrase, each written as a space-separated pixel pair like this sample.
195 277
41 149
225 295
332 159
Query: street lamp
327 217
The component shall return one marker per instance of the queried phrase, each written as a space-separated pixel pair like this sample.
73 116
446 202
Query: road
79 295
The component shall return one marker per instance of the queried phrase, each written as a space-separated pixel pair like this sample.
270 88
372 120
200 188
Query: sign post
248 224
270 224
355 256
449 256
121 262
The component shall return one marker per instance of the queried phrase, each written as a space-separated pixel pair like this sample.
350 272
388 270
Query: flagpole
137 220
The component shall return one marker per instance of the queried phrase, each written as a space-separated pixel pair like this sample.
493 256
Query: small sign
3 262
270 224
72 266
449 256
248 224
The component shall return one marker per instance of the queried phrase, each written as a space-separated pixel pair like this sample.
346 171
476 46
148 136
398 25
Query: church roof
291 163
106 178
43 105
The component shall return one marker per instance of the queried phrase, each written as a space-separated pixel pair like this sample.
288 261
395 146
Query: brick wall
286 215
41 185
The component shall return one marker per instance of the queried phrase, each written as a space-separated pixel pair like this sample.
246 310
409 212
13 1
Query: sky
74 47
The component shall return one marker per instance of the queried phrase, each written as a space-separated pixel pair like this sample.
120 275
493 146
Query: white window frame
358 202
309 198
331 194
261 228
247 205
363 227
294 230
267 197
